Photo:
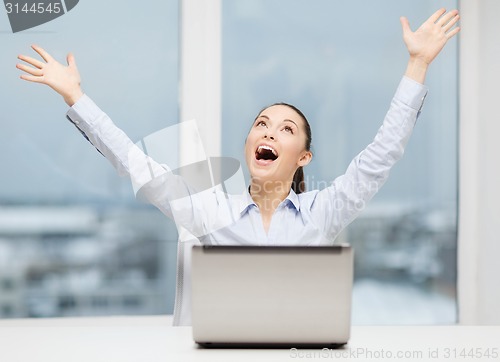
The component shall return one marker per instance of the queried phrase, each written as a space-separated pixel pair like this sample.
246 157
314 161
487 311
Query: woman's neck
269 194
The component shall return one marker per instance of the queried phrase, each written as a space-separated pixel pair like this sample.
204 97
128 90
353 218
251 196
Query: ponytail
298 183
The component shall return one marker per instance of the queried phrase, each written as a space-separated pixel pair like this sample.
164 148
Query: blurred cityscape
75 261
405 265
78 261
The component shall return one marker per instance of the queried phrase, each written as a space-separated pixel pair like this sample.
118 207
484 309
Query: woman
275 210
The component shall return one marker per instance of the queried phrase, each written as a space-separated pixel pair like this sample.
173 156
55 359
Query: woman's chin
262 173
263 167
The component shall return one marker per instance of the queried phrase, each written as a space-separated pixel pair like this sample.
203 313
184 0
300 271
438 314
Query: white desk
151 339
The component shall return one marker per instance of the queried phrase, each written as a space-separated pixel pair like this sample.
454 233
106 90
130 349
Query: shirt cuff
83 114
411 93
84 111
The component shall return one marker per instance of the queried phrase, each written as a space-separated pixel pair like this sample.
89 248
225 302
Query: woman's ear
305 158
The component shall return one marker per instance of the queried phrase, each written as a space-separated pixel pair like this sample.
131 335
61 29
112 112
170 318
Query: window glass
340 63
73 239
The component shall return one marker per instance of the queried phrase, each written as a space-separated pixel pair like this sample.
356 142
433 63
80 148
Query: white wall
200 93
479 213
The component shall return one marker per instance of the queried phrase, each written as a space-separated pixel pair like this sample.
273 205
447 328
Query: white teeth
267 148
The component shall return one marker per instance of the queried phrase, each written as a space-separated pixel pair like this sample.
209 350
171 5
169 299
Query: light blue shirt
215 217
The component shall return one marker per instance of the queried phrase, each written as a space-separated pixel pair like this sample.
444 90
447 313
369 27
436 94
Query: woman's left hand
65 80
427 41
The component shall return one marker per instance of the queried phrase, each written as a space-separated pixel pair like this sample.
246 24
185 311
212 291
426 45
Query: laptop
263 296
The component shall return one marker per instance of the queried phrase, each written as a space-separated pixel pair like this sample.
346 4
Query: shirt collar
294 199
243 201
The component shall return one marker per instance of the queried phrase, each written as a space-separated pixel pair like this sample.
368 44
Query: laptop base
210 345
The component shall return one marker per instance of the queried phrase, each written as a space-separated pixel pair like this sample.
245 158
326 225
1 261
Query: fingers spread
30 60
452 33
405 24
444 19
46 56
32 78
71 60
434 17
451 23
29 70
447 17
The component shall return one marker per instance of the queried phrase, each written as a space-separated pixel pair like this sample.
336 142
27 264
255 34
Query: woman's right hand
65 80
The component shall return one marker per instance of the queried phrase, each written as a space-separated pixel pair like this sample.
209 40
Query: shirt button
77 122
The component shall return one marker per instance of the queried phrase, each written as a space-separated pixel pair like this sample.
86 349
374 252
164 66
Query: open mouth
267 153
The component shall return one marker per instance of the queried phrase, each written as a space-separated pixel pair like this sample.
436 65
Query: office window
73 239
340 63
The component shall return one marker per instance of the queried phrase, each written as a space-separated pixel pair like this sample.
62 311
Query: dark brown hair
298 183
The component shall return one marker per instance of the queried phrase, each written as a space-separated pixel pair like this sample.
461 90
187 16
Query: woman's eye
261 123
288 129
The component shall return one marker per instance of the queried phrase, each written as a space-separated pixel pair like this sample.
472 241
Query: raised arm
152 181
65 80
426 42
336 206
